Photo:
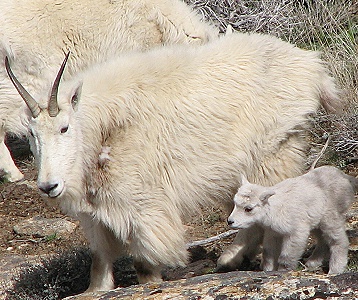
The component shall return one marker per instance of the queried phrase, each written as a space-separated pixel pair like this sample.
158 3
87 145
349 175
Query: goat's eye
64 129
248 209
31 133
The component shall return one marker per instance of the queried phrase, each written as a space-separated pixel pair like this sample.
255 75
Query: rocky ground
242 285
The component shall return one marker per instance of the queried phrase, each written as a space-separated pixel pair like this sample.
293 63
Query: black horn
29 100
52 104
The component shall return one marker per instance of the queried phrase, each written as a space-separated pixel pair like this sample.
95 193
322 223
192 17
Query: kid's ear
265 196
76 95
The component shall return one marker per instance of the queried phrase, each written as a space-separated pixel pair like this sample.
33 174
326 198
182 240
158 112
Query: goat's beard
51 202
74 200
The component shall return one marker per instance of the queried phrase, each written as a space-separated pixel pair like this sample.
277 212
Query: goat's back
325 187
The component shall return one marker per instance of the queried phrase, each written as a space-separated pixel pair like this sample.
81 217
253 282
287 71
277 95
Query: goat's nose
47 187
230 222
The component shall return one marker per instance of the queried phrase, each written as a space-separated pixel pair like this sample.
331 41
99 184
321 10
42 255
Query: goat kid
290 210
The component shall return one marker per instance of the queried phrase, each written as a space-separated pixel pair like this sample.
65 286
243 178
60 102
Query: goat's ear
244 179
76 95
266 195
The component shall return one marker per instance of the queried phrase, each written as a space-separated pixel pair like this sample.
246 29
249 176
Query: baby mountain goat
291 209
181 124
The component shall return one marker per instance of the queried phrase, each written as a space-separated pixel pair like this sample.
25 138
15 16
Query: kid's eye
248 209
64 129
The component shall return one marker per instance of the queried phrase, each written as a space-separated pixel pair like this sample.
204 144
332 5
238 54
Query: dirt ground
19 202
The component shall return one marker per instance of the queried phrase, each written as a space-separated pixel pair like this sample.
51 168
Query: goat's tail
330 95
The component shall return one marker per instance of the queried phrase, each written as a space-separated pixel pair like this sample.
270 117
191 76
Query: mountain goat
37 33
182 124
293 208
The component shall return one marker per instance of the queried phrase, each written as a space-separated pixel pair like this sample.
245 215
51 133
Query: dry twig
211 239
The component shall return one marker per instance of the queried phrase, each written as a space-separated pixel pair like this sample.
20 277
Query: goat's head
248 204
53 133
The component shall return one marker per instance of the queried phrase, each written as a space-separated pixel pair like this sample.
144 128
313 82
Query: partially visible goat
37 33
182 124
293 208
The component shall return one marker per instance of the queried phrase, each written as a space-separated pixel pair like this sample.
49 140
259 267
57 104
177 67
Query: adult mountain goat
182 124
37 33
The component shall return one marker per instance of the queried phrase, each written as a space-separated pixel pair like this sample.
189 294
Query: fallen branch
211 239
321 153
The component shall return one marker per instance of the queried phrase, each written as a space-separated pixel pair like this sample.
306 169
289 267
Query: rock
39 227
241 285
10 265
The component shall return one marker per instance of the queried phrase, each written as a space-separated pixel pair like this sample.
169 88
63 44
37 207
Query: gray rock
39 227
241 285
10 266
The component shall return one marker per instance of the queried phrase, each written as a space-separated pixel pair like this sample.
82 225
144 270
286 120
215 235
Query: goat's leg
271 250
337 240
293 247
101 273
320 252
12 173
246 243
105 250
147 272
159 241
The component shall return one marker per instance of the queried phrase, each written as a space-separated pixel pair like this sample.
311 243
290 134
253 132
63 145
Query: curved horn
52 104
29 100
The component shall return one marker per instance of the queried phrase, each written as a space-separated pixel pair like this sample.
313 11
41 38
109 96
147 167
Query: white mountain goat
182 124
293 208
37 33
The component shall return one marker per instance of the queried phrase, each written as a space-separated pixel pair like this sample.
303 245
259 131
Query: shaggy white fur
37 33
